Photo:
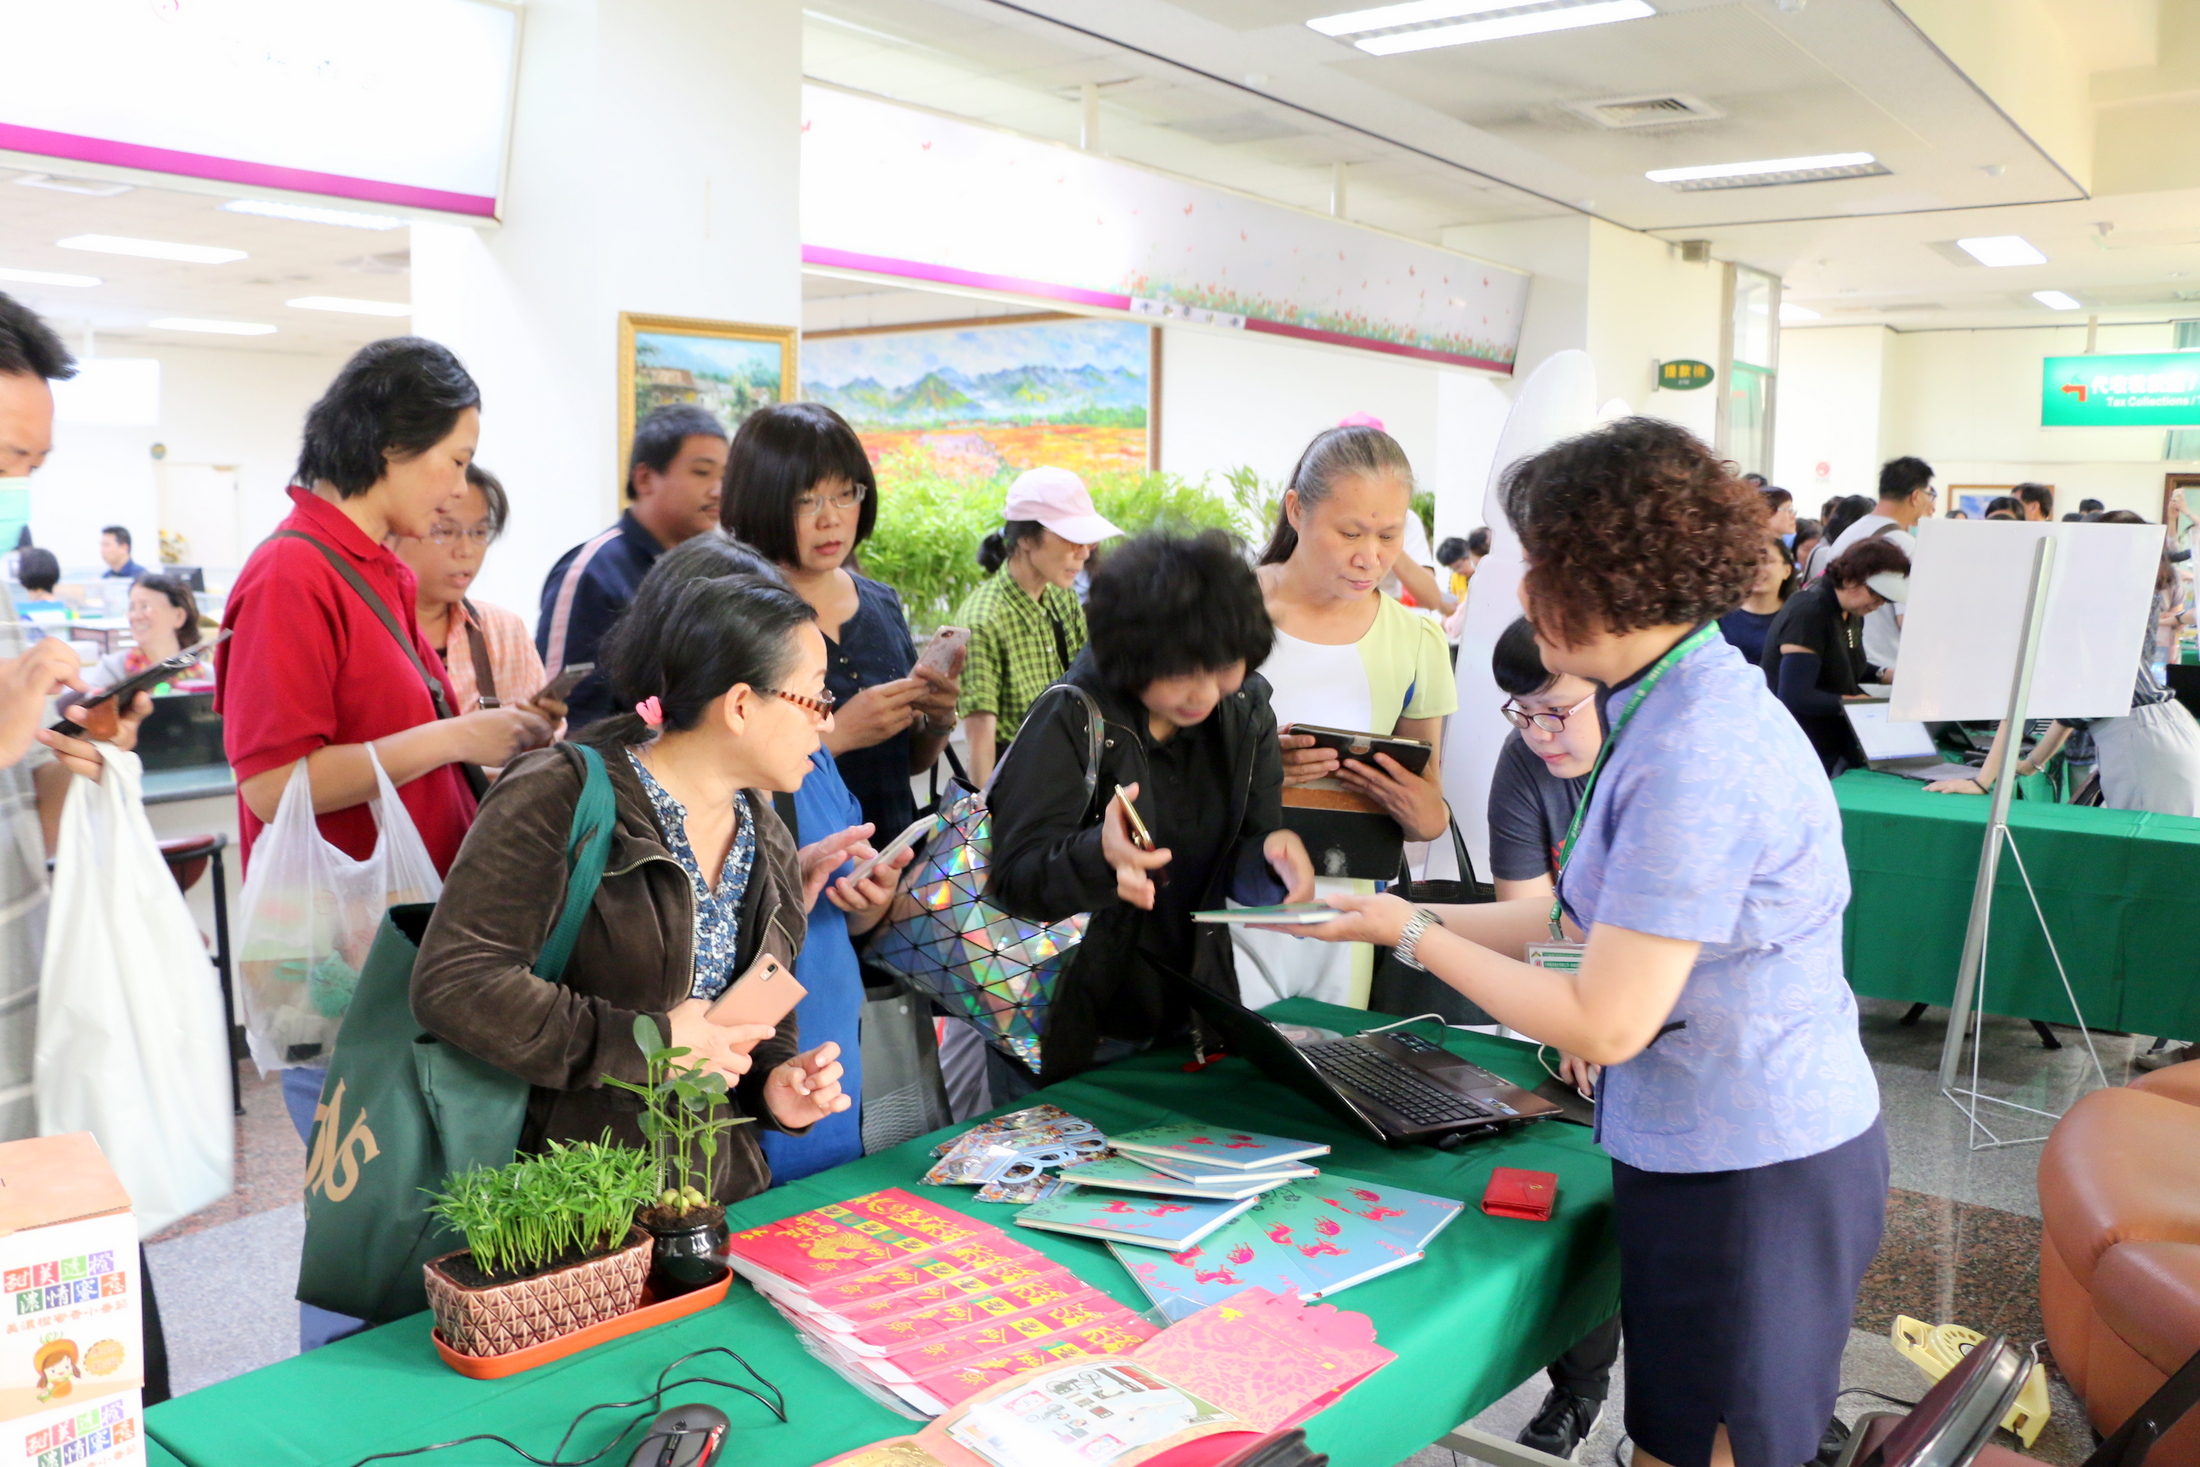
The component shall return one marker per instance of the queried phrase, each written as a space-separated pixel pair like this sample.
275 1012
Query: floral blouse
717 913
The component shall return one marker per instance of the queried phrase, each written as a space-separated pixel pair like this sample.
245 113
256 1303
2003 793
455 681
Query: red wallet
1516 1193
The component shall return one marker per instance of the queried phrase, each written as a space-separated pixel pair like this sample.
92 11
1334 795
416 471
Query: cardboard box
108 1432
71 1332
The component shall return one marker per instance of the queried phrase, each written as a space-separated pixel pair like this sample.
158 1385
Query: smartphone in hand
569 677
917 831
939 653
765 994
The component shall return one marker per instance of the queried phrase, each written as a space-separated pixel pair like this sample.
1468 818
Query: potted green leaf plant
551 1246
685 1112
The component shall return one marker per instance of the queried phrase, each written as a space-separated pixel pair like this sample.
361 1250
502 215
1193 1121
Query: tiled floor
1961 1246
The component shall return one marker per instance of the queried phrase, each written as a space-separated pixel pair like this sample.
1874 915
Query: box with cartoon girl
69 1285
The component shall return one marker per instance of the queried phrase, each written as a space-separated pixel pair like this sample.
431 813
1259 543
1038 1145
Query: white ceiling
1242 93
285 260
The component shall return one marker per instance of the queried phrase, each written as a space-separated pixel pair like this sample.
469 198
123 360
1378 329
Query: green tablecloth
1494 1301
2120 890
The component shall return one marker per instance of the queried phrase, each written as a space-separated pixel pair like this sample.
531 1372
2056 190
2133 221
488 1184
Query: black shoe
1561 1423
1831 1445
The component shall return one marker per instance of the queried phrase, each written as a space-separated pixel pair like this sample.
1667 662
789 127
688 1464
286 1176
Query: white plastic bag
309 914
132 1042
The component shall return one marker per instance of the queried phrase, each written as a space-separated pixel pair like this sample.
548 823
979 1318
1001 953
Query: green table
1494 1301
2120 890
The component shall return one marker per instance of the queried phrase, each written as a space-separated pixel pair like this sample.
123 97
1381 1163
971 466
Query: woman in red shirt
325 659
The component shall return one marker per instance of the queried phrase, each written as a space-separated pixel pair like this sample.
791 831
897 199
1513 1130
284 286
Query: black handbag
1405 992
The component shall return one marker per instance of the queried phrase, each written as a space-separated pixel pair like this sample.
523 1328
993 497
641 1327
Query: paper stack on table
1315 1237
923 1303
1201 1392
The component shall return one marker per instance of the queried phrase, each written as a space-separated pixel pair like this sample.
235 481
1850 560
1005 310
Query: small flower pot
500 1318
690 1250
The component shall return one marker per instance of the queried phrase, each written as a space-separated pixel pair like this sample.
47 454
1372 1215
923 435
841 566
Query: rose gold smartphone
765 994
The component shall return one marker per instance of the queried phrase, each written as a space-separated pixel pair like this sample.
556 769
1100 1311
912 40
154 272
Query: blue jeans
316 1326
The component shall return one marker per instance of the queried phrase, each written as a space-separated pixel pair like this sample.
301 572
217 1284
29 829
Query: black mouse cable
775 1403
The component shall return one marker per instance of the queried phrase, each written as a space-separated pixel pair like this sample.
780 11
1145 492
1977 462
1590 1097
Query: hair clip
651 712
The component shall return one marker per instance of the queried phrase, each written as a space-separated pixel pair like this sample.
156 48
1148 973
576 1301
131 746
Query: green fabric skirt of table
1495 1300
2117 888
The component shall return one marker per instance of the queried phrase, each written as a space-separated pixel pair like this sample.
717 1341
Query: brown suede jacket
473 986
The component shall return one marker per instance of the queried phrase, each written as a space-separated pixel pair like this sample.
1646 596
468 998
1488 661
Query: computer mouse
685 1436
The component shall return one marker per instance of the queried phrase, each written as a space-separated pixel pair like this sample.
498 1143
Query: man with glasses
1906 495
1542 772
674 478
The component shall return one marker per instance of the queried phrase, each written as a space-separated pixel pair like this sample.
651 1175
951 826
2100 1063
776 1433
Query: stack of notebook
1313 1236
1184 1182
922 1302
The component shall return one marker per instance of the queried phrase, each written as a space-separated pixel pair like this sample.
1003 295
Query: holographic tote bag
995 972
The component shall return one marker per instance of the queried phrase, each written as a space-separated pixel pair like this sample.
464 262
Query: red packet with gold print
1522 1194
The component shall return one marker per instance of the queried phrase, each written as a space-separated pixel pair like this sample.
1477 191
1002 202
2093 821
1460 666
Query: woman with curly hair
1703 881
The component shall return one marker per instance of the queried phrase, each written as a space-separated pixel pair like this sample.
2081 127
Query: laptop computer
1905 748
1396 1086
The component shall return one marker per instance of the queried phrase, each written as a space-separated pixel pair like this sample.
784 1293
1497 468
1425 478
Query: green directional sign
2132 390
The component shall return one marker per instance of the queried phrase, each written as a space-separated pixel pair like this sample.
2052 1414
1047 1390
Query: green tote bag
401 1110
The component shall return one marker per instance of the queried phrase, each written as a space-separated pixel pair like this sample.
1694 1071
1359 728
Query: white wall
217 406
1832 386
654 169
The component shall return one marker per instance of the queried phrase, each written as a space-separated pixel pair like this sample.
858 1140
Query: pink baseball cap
1057 499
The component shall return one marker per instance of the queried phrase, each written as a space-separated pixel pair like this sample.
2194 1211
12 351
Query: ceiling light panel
349 306
47 277
1790 313
311 214
151 249
212 328
2055 300
2002 250
1502 27
1415 12
1769 172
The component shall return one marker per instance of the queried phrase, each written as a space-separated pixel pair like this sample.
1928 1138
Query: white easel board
1964 621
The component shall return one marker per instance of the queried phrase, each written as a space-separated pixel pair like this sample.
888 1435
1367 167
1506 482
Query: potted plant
682 1120
551 1246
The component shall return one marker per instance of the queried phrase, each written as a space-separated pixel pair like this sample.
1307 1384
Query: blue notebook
1121 1174
1149 1222
1315 1237
1216 1146
1204 1173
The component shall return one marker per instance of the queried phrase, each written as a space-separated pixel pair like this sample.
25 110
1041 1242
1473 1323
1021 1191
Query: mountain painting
979 401
729 377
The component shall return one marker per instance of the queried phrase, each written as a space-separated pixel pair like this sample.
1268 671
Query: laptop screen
1884 740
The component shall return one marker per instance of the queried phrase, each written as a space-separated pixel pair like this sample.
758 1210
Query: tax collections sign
2135 390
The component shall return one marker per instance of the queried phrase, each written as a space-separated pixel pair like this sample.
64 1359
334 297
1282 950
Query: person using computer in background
114 553
1542 772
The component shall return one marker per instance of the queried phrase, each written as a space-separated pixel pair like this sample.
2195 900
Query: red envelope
1522 1194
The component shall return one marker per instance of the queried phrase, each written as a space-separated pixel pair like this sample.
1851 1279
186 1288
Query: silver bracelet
1409 940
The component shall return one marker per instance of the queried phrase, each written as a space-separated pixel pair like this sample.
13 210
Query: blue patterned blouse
1712 823
717 913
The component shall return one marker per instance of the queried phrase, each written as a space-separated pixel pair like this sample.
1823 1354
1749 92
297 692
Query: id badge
1560 957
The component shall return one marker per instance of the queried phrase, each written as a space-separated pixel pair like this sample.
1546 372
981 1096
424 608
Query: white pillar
654 169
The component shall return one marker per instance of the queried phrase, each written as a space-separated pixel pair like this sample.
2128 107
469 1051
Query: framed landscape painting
725 367
982 399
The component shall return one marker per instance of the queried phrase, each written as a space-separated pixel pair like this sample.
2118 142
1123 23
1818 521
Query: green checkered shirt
1014 653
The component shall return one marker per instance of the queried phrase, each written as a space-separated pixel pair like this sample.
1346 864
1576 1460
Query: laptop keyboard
1396 1084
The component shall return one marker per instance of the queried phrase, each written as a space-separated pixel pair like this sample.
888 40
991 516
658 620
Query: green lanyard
1706 633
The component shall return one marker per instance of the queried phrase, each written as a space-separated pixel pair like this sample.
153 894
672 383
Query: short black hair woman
1707 880
1178 633
325 666
1813 649
38 571
799 488
726 682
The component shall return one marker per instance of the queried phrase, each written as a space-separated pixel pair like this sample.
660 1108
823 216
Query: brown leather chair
2120 1247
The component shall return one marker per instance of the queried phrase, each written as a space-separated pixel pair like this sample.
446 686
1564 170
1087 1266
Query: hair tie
650 712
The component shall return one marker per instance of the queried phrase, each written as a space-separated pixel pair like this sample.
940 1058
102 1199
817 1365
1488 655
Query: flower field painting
977 402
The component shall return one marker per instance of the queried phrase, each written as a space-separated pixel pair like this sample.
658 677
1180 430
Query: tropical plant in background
570 1202
680 1119
1424 509
930 522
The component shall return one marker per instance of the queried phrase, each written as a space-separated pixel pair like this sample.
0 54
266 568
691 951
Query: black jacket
1046 862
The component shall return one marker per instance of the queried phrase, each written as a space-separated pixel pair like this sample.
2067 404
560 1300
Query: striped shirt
1017 647
22 921
581 597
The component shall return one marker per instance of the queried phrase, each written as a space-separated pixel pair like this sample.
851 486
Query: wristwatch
1409 940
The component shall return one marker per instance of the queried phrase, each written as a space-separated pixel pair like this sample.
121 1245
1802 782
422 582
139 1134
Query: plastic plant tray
651 1313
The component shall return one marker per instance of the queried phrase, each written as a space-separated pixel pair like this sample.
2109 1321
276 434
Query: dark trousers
1586 1369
